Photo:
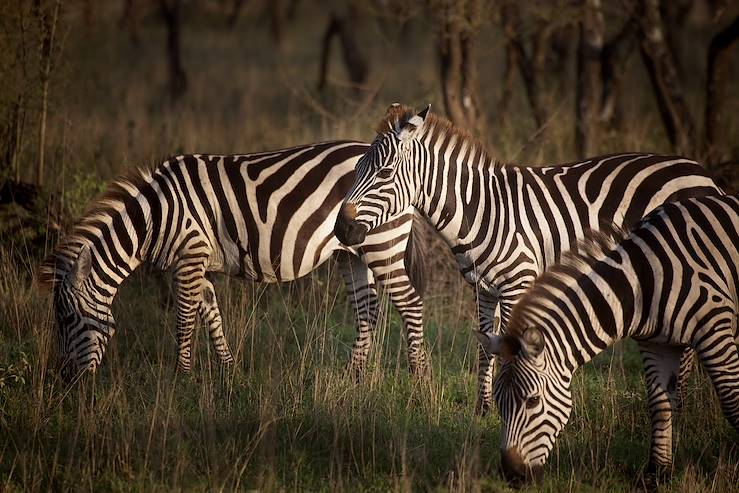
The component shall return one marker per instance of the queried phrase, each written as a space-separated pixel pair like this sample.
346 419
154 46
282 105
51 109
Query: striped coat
671 283
267 217
505 224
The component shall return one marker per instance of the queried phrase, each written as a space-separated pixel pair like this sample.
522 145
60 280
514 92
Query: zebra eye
533 401
385 173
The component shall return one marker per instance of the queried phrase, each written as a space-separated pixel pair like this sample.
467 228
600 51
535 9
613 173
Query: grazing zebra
671 283
505 224
267 216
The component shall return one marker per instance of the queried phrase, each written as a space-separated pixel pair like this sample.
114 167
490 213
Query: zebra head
534 402
84 321
388 180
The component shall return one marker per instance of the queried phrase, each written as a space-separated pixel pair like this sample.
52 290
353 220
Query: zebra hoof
355 371
654 475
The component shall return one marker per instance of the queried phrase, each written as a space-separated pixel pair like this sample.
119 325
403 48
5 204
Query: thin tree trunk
661 67
170 10
614 58
719 67
354 59
457 65
47 31
589 79
526 65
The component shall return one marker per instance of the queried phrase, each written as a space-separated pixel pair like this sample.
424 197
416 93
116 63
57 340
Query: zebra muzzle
516 471
347 229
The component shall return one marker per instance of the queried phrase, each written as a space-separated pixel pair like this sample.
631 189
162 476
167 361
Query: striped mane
585 253
58 263
397 115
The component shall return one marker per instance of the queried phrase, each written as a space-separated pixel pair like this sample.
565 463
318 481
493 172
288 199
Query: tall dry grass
285 417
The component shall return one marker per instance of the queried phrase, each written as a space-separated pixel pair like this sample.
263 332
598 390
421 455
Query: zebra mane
59 262
586 252
398 114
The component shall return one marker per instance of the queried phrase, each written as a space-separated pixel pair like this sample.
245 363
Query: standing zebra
671 283
267 217
505 224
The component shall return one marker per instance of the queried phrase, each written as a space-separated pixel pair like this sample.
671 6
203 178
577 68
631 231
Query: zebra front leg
409 304
362 295
188 277
211 314
489 324
661 370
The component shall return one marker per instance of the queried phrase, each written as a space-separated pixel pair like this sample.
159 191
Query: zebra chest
505 275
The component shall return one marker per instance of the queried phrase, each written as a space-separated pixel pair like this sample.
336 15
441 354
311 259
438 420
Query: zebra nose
516 471
347 229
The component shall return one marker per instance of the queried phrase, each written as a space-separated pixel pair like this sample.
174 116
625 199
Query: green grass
285 417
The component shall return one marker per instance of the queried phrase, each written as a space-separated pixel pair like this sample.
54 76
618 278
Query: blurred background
89 88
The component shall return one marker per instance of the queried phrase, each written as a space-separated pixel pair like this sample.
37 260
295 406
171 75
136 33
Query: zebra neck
587 312
460 181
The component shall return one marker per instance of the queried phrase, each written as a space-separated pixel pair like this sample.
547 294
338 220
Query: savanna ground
285 417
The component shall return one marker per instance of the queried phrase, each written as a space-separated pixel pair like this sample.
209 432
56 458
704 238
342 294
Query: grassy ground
285 417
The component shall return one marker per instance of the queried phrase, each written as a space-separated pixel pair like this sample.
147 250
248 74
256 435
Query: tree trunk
660 63
354 59
170 10
47 33
614 58
719 67
457 65
589 79
526 66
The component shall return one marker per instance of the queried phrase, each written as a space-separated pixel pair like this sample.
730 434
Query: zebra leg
211 315
188 277
686 368
486 305
661 370
719 356
360 288
392 275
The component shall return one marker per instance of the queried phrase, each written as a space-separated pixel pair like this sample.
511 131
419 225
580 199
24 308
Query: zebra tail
415 255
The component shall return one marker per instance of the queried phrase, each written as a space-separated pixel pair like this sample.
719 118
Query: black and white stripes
267 217
672 283
505 224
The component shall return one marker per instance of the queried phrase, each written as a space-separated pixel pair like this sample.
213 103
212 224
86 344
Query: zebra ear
532 342
491 343
81 268
414 125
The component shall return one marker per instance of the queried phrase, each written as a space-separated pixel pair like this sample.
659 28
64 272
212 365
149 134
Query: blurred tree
659 59
589 84
129 20
170 10
47 17
344 26
614 57
458 25
717 84
538 37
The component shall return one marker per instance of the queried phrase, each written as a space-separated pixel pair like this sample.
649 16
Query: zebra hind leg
719 356
211 315
362 295
662 366
686 369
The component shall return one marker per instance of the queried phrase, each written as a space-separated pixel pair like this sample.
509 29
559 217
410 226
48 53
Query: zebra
266 216
671 283
503 223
